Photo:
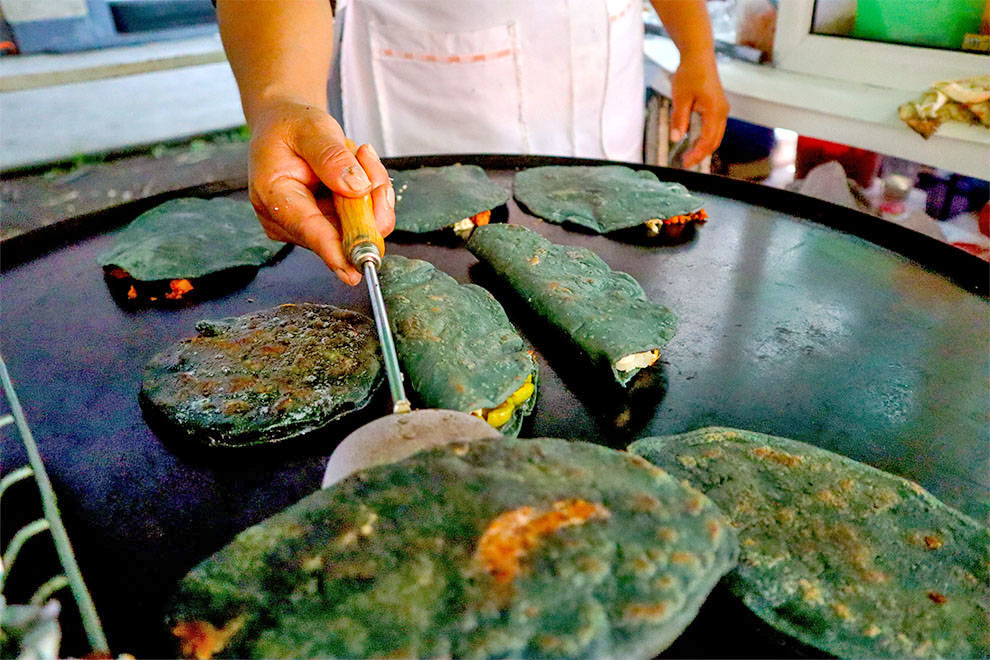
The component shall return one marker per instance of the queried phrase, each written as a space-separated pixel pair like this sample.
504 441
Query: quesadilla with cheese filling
854 561
457 345
497 548
607 198
456 197
605 313
165 251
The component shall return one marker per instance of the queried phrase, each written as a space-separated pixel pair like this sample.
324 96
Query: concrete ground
58 107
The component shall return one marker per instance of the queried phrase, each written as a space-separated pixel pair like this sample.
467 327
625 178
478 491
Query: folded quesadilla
604 312
457 346
165 250
457 198
496 548
606 198
854 561
966 100
267 376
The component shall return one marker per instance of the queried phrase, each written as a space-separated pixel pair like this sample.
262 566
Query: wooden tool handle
357 220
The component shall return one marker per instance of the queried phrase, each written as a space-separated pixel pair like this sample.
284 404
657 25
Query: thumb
326 152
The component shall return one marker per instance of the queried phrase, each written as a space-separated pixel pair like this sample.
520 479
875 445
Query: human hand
695 86
296 147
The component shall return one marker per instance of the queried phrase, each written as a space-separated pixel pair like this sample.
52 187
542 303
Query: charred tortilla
434 198
605 198
854 561
489 549
190 238
266 376
457 346
604 312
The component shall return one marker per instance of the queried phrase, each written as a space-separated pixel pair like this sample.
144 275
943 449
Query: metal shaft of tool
400 404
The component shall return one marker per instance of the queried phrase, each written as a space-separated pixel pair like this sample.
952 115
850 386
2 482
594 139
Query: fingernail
341 273
676 135
390 197
372 150
355 179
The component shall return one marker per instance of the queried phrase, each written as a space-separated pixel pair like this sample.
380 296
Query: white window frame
886 65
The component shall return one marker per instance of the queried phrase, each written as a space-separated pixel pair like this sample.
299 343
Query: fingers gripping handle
362 240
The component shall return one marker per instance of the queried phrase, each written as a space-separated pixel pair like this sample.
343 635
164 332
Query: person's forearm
277 49
687 23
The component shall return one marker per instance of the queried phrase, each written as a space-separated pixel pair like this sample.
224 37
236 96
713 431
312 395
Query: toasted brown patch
694 504
683 558
663 582
832 499
644 502
937 598
785 515
511 535
645 612
842 611
236 407
811 593
668 534
714 528
777 456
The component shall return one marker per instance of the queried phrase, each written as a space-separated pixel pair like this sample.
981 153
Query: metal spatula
402 433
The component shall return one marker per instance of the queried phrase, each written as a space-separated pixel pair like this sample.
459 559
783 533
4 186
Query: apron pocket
448 92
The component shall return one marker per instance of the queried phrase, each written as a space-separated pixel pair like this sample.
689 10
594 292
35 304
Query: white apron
559 77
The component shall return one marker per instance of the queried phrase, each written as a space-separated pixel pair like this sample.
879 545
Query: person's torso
493 76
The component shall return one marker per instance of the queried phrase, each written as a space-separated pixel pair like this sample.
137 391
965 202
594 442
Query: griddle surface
787 326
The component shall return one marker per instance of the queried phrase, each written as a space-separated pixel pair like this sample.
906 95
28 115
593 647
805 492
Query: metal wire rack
51 521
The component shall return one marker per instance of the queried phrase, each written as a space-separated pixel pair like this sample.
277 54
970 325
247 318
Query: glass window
962 25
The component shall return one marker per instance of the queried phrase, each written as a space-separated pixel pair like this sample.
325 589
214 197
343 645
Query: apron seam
573 77
520 87
382 98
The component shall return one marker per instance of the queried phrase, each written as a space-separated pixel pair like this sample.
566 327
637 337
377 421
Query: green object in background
930 23
189 238
456 344
604 312
497 548
853 561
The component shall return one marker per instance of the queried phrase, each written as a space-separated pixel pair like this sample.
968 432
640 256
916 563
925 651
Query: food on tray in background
966 100
846 558
606 198
457 346
165 253
458 197
265 376
487 549
604 312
